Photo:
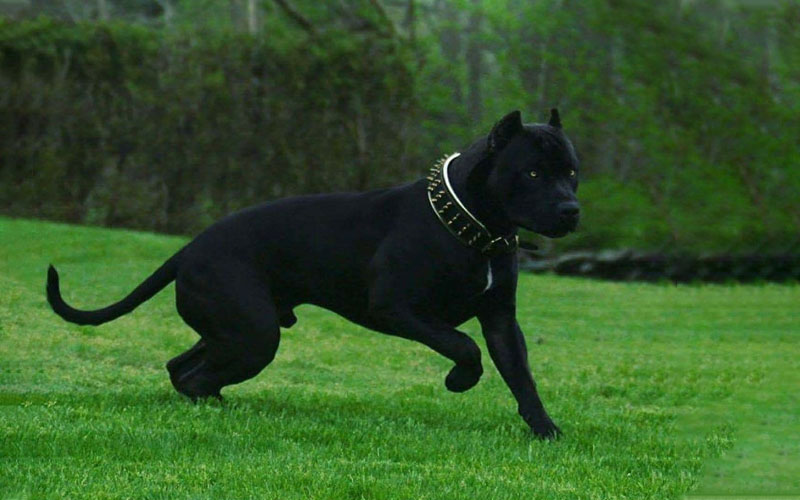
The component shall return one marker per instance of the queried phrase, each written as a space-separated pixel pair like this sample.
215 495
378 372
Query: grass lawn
660 390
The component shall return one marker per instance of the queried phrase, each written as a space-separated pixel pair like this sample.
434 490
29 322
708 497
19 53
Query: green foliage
691 105
621 213
114 123
685 114
647 394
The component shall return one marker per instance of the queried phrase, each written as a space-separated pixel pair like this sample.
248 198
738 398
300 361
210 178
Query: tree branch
410 21
296 16
384 16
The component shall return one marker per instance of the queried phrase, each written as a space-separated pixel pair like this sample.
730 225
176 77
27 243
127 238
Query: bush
123 125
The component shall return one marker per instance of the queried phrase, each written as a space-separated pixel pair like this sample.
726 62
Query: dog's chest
457 297
467 283
477 280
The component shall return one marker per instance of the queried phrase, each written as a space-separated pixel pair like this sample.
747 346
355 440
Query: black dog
415 261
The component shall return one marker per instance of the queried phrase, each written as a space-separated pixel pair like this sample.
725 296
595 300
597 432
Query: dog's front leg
507 349
400 321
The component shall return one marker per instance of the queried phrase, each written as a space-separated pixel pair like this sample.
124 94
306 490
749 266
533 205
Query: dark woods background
168 114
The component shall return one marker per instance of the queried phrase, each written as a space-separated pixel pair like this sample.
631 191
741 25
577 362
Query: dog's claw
207 397
542 426
546 430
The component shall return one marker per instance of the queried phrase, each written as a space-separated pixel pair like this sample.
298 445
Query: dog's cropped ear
555 119
505 130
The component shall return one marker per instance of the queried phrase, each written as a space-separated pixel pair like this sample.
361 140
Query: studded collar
458 219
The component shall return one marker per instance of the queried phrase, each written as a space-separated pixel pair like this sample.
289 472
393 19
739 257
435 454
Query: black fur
380 259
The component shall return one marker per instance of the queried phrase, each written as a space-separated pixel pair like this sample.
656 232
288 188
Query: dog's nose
569 210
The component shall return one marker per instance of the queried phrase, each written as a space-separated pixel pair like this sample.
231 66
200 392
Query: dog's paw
462 378
196 387
545 429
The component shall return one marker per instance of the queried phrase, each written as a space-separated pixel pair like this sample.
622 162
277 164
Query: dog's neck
468 175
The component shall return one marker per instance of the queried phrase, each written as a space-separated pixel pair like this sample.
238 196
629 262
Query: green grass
660 390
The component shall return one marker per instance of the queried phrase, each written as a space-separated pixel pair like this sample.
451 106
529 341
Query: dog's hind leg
183 363
234 314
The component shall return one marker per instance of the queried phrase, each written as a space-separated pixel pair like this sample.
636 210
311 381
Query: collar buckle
501 245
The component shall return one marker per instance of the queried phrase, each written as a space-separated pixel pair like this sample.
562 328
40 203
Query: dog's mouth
551 232
556 233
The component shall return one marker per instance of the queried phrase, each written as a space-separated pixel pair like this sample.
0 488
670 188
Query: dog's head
534 175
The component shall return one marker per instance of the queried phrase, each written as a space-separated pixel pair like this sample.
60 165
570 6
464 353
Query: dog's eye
533 174
572 173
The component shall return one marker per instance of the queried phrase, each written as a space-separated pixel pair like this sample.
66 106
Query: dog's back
310 249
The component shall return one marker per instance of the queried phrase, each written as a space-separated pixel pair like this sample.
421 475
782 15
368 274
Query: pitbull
414 261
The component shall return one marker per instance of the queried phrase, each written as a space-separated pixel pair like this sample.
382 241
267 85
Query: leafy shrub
125 125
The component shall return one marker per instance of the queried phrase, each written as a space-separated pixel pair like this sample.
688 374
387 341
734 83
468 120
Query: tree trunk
450 38
410 21
474 63
102 10
252 17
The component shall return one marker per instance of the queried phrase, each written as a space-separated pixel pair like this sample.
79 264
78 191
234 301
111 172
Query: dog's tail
162 277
